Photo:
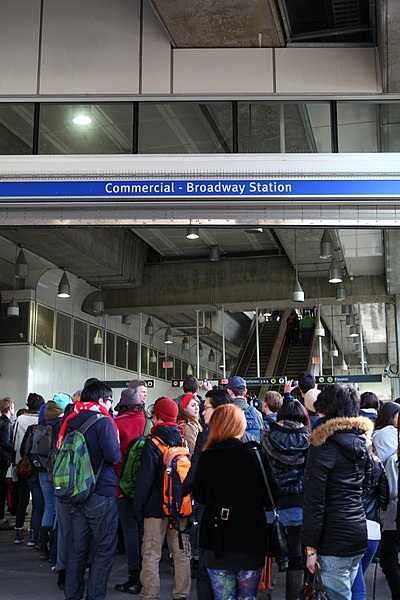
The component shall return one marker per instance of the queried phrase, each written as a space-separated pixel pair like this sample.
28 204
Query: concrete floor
24 577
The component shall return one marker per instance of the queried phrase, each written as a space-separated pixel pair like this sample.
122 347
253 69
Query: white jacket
385 442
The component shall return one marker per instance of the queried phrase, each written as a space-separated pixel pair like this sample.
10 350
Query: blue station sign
200 188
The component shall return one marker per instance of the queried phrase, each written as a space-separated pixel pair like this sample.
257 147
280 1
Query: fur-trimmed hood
357 425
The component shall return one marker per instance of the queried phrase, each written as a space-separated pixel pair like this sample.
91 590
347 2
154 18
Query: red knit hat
165 409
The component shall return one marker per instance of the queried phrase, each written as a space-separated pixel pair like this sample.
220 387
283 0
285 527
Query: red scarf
168 424
79 406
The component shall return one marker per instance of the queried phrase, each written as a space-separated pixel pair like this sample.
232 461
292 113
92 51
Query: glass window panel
132 356
145 360
16 128
184 367
110 130
359 127
185 127
122 345
79 346
63 332
14 330
306 127
45 326
95 350
177 370
110 348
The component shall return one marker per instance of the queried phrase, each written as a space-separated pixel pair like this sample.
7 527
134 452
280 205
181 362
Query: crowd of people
206 477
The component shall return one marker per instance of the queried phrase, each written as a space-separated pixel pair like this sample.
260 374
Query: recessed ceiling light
82 120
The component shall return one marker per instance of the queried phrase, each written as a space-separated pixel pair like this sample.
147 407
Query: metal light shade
347 309
335 272
350 320
344 366
341 293
64 289
189 370
326 245
185 344
353 331
153 357
21 266
149 327
192 233
201 352
298 294
98 307
211 356
168 339
319 331
215 254
98 338
127 319
334 353
13 309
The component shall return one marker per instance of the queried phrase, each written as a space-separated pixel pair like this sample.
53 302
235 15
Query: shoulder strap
147 427
83 429
271 498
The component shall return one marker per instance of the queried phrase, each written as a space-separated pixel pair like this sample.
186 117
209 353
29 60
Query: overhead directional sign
348 379
277 380
121 383
322 187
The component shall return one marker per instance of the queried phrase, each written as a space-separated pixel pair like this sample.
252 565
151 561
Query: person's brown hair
183 415
5 405
227 421
274 401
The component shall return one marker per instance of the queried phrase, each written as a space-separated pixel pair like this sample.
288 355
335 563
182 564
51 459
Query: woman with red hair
229 482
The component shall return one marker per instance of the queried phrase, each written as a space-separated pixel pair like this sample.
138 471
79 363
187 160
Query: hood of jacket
385 441
171 435
52 412
287 441
345 432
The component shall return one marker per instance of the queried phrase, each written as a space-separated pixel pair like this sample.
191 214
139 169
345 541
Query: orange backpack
176 464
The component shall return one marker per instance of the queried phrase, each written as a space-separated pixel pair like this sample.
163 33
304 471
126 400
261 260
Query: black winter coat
229 482
148 500
375 488
334 518
6 439
287 444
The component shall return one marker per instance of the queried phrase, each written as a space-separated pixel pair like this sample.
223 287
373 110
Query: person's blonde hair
274 400
5 404
227 421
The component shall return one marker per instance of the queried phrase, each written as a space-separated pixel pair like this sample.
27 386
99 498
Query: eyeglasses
206 407
108 399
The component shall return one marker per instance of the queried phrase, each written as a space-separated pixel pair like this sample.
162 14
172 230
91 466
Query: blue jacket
103 444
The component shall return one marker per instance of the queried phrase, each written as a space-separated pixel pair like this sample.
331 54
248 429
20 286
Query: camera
295 383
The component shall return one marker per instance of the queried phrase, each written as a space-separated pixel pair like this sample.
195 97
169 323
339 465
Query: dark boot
44 539
61 579
132 586
294 584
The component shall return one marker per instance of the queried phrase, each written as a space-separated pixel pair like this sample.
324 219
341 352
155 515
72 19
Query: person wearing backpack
150 503
49 429
132 425
237 389
30 485
94 518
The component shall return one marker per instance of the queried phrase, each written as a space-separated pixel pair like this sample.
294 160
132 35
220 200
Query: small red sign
167 364
223 381
315 360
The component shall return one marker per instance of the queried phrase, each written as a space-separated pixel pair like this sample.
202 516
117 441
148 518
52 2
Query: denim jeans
338 574
358 591
132 537
95 520
47 488
37 503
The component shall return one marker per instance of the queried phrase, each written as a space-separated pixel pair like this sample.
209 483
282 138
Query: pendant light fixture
353 331
98 305
21 267
168 338
326 245
350 320
333 352
335 272
341 293
343 365
13 308
201 351
214 254
347 309
152 357
185 344
149 327
192 233
64 288
98 338
319 331
298 293
189 370
127 319
211 356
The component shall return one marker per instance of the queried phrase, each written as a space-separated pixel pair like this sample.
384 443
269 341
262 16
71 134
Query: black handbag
313 587
277 533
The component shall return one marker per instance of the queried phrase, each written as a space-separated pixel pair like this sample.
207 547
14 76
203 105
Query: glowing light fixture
64 288
192 233
82 119
168 338
13 308
341 293
335 272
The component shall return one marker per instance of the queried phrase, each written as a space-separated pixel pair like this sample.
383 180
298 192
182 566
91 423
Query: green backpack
127 482
73 476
